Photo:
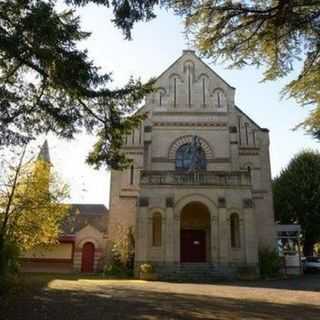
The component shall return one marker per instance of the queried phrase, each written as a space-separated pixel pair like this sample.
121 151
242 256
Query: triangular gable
185 52
89 229
249 118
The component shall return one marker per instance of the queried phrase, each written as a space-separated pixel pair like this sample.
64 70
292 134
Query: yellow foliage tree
31 208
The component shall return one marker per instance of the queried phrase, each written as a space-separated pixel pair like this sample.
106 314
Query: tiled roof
82 215
88 209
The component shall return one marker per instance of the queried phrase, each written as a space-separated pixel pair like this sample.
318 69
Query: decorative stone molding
185 112
189 124
169 202
188 139
143 202
247 203
222 202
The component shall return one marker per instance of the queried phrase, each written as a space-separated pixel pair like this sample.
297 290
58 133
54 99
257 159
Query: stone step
195 272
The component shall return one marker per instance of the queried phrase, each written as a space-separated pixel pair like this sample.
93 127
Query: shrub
269 262
146 268
113 270
9 265
116 256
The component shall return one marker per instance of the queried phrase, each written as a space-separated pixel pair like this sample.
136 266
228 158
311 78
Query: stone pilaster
214 239
142 234
224 236
169 236
250 235
176 236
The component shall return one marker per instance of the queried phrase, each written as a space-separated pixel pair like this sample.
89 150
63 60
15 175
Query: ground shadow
132 303
307 282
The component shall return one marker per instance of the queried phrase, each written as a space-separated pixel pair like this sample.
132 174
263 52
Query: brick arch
88 239
176 144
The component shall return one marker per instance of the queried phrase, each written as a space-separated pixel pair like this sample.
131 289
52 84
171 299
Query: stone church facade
197 197
199 189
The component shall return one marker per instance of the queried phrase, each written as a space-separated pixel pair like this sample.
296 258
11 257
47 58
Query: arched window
132 174
219 99
156 229
235 230
161 93
187 158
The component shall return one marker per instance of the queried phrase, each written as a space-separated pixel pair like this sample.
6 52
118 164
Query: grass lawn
92 297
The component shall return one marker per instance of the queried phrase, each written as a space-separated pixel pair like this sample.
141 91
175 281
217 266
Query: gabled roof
242 112
88 209
185 52
81 215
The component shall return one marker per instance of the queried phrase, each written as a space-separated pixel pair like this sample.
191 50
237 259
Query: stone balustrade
217 178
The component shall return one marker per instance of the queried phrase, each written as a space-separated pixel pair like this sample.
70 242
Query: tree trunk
3 260
308 247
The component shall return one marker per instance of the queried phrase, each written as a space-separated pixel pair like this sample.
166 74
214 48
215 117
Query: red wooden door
87 257
193 246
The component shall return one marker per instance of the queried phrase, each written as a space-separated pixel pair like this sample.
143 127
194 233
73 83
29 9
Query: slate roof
82 215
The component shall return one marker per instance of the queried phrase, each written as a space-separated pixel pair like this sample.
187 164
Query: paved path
73 298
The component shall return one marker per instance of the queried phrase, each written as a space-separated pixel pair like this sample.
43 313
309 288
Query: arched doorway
195 233
87 260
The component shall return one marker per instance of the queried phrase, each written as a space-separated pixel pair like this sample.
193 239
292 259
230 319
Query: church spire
44 152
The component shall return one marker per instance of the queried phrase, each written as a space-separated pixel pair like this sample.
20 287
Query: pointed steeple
44 152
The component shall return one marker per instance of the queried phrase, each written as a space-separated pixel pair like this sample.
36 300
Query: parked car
311 264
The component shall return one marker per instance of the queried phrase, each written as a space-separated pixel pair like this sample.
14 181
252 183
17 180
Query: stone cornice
189 113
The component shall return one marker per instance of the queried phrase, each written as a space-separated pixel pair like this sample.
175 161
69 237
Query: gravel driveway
92 298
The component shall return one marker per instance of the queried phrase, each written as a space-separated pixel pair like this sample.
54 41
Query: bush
146 268
113 270
116 256
269 263
9 265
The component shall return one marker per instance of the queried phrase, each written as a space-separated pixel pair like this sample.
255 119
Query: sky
154 47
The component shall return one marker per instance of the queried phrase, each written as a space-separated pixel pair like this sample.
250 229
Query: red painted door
193 246
87 257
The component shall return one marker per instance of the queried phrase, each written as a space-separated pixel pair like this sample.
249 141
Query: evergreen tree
48 84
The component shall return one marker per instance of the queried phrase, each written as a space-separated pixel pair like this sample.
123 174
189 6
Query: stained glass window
185 157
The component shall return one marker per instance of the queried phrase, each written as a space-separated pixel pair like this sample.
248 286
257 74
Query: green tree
296 193
48 84
31 209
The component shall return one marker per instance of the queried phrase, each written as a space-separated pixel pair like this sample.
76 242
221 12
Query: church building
197 196
198 193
